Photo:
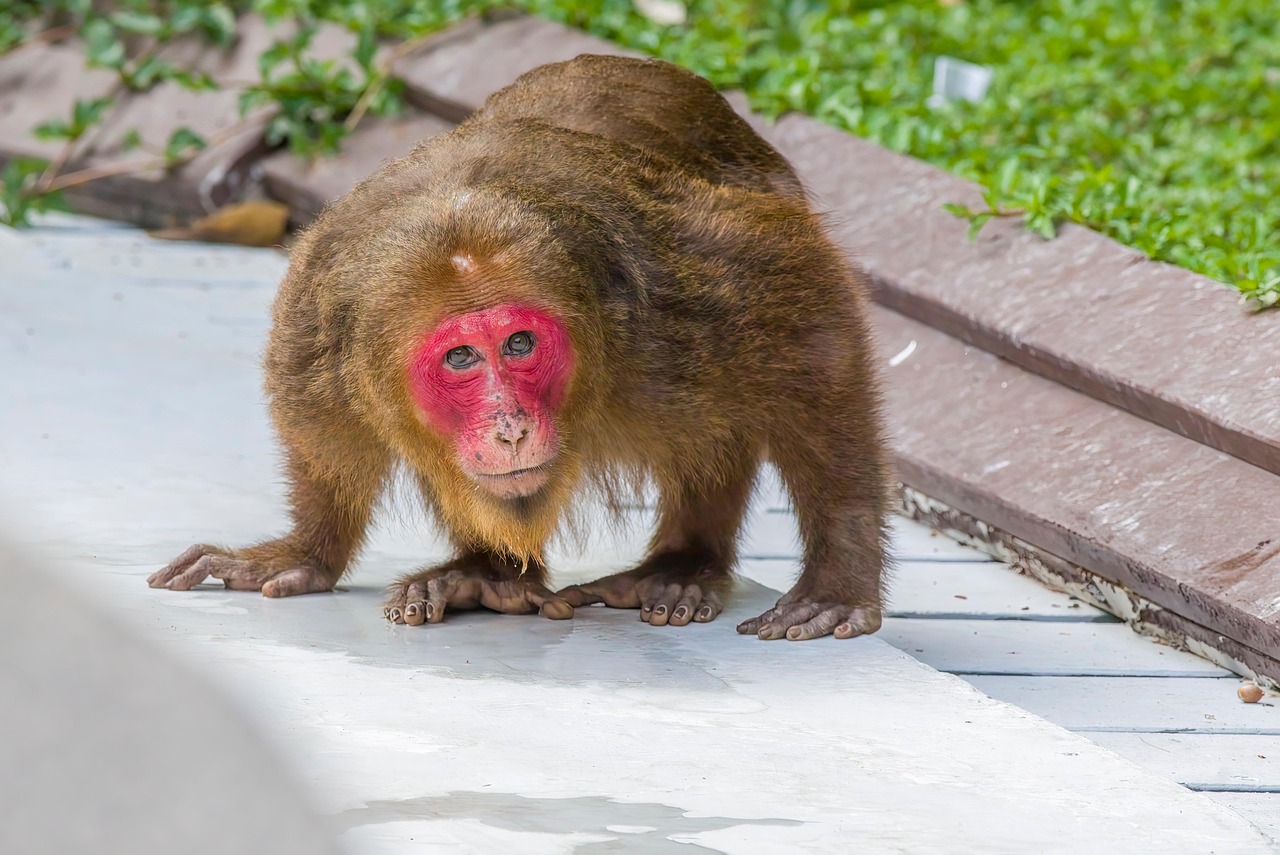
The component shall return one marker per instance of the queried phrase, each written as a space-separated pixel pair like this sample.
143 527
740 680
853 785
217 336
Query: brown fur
714 325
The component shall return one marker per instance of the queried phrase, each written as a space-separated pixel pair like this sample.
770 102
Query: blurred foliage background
1152 121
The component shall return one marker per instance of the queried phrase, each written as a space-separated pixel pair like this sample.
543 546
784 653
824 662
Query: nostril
513 438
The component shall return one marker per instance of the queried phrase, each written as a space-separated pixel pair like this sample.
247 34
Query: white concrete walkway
131 425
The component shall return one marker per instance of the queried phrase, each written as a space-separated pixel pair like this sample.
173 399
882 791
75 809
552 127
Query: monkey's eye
462 357
520 344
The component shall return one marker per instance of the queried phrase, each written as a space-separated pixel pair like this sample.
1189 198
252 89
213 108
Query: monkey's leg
472 580
330 514
689 569
837 481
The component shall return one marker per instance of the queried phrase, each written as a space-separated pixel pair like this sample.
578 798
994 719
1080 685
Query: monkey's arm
472 580
331 502
830 453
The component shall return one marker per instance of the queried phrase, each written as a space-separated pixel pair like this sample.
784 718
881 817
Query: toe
710 608
687 606
193 575
785 617
665 604
415 605
438 591
299 580
860 622
556 608
819 626
577 595
189 556
549 605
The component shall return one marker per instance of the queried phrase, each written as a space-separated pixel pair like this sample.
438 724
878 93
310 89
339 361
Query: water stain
646 827
1234 569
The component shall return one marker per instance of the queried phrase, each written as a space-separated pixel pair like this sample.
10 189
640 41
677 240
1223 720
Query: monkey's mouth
517 482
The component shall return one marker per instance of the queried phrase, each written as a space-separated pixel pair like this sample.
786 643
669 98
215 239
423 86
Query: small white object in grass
957 80
665 12
903 355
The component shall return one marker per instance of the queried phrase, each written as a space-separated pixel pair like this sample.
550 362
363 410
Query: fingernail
680 613
660 610
793 633
706 612
431 611
395 614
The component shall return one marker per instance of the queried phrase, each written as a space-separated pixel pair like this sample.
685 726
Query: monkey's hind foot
798 617
423 597
663 598
275 577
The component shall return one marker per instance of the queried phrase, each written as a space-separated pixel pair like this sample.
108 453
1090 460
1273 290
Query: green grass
1154 122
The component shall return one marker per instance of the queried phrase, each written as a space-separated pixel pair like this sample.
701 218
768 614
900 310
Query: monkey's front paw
663 598
199 562
424 597
811 618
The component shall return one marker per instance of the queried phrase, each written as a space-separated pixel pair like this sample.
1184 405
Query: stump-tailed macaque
603 278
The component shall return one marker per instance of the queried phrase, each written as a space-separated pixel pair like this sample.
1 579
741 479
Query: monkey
603 278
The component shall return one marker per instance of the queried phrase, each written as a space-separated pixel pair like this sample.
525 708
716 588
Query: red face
493 381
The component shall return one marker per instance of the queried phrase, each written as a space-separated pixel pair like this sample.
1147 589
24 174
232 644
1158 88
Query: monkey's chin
517 484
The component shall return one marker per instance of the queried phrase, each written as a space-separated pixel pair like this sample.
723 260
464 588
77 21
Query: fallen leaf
259 223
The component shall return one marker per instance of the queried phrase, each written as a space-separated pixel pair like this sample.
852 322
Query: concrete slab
1137 704
1262 808
100 756
133 425
1202 760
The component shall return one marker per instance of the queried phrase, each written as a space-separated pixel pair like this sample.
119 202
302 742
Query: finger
236 574
687 606
578 595
661 610
548 604
819 626
617 591
752 625
415 603
193 575
438 591
299 580
710 608
506 597
189 556
395 599
786 618
861 622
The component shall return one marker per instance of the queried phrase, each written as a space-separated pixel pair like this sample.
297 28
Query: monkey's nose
512 435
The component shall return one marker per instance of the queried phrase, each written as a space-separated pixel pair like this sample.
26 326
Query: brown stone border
1143 508
1163 343
1140 613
